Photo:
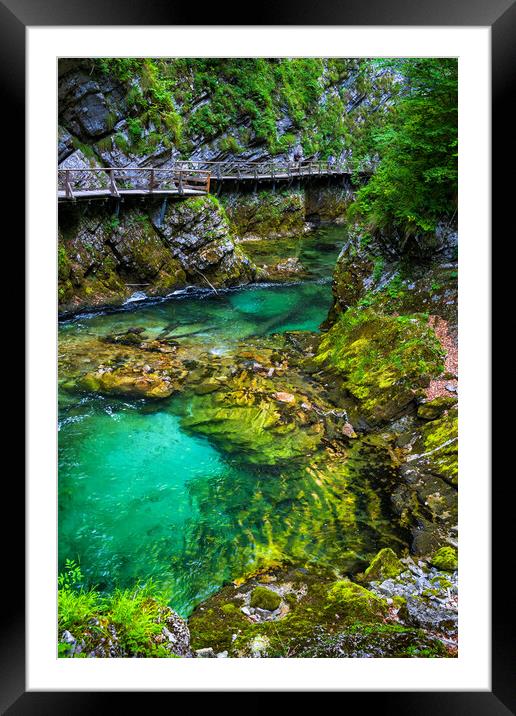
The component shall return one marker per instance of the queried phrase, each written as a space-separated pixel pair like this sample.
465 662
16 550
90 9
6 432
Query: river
142 497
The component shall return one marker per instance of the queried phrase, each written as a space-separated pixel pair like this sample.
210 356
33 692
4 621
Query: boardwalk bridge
186 178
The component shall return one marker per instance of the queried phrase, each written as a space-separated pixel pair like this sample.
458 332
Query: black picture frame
500 16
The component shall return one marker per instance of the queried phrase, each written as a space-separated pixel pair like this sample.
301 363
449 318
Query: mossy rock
325 610
267 214
383 362
264 598
324 619
438 447
376 640
350 277
215 623
446 559
433 409
385 565
355 602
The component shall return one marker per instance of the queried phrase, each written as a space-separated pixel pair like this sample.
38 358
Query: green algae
245 417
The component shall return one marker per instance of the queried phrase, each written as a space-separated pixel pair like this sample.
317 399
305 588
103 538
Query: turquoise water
139 497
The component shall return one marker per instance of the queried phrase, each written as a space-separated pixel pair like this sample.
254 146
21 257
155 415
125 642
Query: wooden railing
186 176
74 183
234 169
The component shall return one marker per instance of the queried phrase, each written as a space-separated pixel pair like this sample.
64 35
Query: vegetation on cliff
326 105
415 184
383 361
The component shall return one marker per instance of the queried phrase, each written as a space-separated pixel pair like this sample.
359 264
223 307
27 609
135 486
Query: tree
415 184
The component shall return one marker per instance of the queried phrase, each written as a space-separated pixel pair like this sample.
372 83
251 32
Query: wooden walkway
183 178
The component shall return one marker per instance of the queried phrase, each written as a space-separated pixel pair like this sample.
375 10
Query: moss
325 619
383 361
446 559
439 447
265 599
385 565
355 602
215 623
63 264
266 213
433 409
376 640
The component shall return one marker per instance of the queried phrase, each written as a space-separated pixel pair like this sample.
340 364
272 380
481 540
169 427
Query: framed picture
39 46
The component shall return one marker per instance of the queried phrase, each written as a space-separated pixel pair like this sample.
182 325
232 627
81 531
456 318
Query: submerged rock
118 382
244 417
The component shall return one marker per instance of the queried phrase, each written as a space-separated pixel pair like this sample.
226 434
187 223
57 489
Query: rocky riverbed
316 450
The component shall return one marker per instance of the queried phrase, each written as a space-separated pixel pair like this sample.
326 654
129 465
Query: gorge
258 386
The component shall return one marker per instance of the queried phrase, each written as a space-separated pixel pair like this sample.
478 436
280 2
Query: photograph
257 361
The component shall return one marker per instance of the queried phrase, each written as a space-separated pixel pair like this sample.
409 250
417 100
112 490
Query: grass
136 616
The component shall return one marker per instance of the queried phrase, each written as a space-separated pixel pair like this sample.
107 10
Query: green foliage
153 116
63 263
135 127
76 604
193 99
230 144
112 223
379 263
136 615
415 184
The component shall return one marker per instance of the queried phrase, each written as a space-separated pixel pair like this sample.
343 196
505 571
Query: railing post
181 190
68 186
112 186
151 181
